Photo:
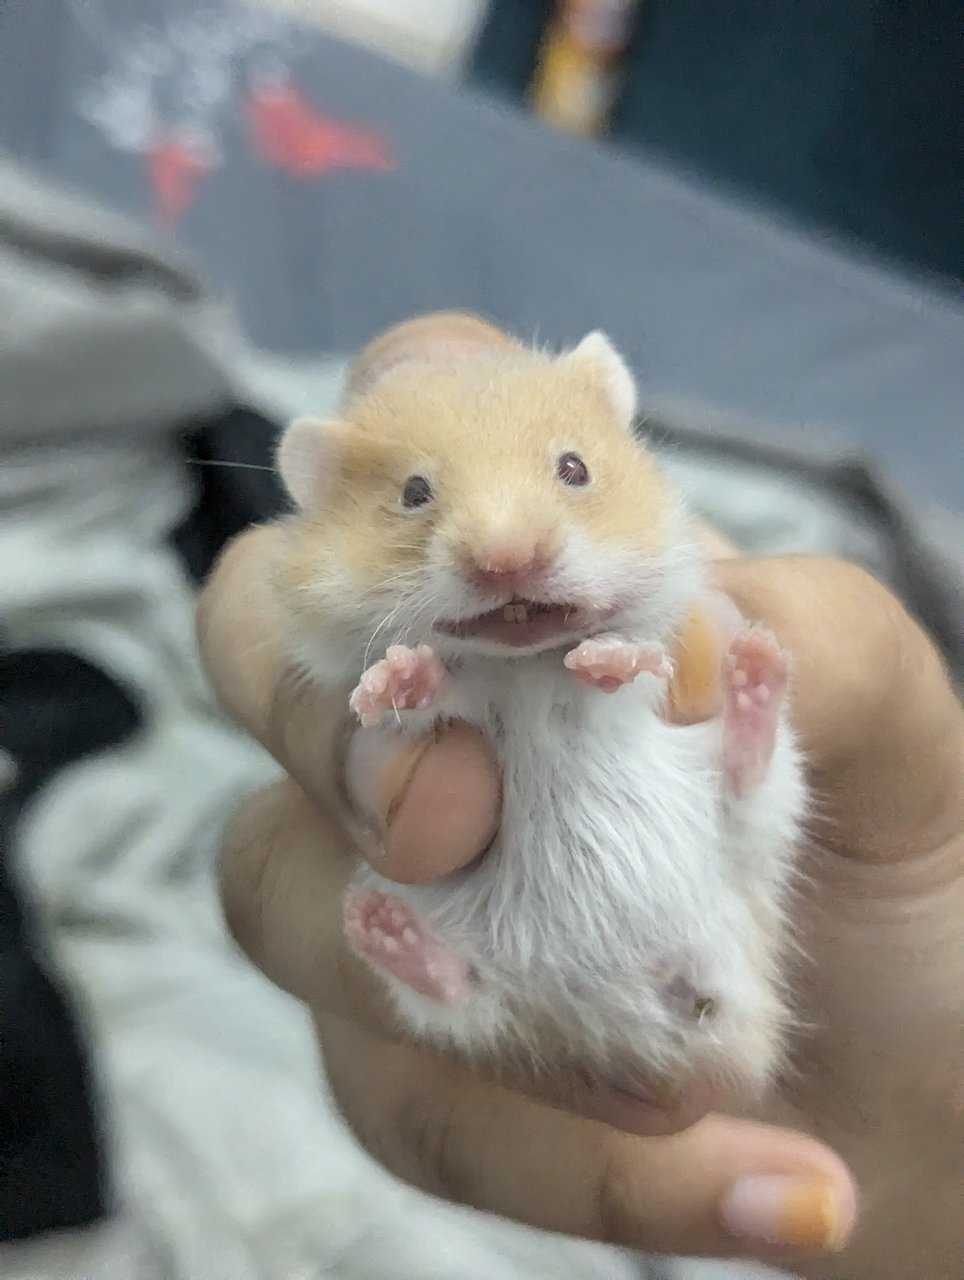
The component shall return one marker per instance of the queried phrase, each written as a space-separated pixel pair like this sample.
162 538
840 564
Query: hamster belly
615 907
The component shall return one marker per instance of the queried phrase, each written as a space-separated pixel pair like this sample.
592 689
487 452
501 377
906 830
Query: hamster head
494 501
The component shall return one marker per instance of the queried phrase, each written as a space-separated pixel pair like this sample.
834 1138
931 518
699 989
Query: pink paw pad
386 932
755 675
609 662
404 680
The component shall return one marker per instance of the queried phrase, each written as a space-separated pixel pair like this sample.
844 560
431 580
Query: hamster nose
509 563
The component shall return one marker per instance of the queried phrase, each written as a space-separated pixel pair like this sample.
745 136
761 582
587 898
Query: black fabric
850 114
51 1160
55 708
237 485
507 45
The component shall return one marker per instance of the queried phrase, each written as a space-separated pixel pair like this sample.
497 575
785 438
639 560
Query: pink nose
507 564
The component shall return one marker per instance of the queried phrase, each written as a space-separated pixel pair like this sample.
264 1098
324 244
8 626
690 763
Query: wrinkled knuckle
433 1137
368 1124
411 1136
616 1199
244 871
281 728
308 729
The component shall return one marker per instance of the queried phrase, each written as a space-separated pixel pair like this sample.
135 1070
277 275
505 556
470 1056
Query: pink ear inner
306 460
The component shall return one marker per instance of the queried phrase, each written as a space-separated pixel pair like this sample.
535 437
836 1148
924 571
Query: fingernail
799 1212
379 765
694 684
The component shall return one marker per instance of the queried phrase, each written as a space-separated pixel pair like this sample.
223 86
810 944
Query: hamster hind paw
386 932
755 677
404 680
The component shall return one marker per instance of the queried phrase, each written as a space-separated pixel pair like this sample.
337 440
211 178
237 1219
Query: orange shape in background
174 171
290 134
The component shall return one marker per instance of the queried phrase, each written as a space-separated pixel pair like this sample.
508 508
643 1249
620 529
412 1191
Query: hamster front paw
608 662
755 676
404 680
386 932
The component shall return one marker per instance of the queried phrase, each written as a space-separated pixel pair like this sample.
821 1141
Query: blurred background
433 36
748 91
206 207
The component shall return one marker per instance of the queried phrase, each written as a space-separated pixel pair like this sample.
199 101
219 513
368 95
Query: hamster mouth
522 623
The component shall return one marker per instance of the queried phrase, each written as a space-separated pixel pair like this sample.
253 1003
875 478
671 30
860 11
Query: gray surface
550 236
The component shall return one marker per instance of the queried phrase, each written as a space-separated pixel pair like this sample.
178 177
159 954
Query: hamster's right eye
417 493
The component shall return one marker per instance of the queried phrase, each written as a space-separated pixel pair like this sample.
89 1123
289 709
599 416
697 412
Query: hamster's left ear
308 459
597 353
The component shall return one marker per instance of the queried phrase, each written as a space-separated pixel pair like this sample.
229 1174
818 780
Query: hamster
481 536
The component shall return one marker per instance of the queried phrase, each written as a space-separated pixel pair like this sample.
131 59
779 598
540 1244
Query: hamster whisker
428 608
385 622
237 466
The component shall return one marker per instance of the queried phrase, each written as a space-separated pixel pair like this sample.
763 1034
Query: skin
874 1103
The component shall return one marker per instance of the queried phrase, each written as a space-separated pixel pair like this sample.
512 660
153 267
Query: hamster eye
572 470
417 493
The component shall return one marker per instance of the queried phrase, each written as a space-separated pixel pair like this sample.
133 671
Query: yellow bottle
577 73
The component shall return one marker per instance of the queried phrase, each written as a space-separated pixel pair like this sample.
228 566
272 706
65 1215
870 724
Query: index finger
723 1188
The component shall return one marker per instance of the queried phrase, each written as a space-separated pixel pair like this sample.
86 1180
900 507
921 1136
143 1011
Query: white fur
622 861
334 640
620 864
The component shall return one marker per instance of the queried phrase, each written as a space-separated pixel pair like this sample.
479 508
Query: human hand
880 918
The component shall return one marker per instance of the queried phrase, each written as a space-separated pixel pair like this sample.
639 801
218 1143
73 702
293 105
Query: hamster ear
598 352
307 459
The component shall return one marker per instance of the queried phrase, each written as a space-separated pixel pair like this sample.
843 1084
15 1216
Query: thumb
422 808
